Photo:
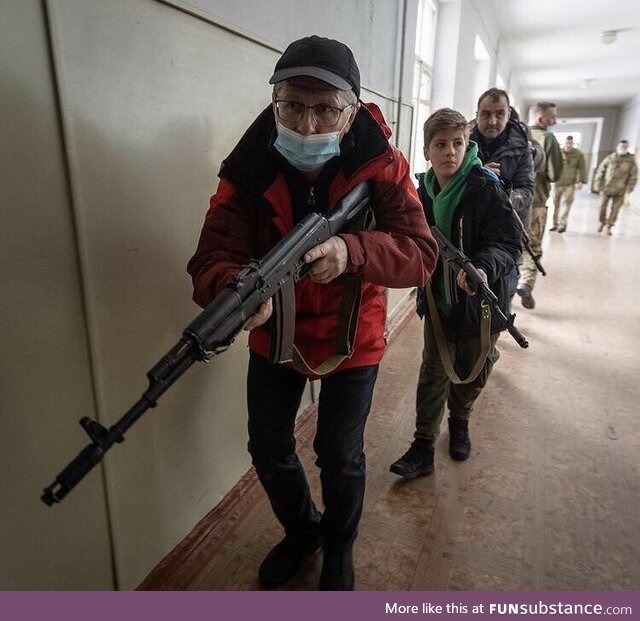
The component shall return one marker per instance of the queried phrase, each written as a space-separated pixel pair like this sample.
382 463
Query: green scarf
444 205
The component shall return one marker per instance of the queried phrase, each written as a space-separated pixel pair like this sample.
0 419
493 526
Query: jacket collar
254 164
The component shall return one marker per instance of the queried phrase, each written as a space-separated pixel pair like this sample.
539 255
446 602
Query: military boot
416 461
459 443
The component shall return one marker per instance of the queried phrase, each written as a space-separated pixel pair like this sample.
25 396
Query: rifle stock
215 328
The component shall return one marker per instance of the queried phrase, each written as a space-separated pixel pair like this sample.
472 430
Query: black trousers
274 393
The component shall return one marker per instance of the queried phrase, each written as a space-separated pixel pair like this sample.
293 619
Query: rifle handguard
215 328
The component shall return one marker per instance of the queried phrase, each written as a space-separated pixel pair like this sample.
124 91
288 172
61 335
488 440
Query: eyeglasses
323 115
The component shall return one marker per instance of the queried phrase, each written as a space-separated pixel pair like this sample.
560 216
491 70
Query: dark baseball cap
321 58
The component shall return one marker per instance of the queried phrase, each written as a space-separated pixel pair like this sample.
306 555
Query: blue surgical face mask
307 153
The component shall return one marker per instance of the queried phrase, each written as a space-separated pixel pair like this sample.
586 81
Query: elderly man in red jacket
303 153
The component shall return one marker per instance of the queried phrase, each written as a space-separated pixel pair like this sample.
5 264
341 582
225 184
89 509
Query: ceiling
555 50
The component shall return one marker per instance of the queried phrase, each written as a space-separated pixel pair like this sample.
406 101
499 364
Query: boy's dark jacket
484 228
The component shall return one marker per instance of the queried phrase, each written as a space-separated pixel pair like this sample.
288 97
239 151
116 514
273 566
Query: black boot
459 443
337 568
283 562
416 461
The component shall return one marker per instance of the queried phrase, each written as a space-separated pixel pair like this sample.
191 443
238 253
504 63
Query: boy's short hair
444 119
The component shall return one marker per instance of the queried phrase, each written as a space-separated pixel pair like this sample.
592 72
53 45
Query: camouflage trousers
528 271
562 194
435 388
616 203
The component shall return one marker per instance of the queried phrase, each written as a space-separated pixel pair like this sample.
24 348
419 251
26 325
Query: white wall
104 193
628 127
357 23
446 54
46 382
455 83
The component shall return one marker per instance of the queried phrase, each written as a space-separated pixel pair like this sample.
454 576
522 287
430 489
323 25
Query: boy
467 204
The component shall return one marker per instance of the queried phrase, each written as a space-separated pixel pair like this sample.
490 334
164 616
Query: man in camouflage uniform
573 176
615 177
542 115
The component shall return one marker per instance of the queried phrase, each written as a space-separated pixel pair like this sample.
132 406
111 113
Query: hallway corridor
550 498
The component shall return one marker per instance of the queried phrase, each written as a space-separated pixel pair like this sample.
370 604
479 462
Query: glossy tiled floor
550 499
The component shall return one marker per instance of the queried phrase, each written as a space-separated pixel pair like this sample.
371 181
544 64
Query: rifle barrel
214 329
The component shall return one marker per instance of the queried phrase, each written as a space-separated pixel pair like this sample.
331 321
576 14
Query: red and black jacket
252 210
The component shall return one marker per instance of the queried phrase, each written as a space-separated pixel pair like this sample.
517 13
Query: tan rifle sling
283 349
441 341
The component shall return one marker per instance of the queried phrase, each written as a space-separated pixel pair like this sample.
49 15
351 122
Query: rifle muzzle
72 474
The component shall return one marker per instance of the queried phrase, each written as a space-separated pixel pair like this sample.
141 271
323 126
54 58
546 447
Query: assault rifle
452 256
213 331
526 242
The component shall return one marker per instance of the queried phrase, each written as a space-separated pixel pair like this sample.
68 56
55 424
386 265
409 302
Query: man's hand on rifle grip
260 317
329 259
464 284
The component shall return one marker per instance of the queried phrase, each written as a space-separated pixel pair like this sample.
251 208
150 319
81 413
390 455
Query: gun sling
441 341
282 328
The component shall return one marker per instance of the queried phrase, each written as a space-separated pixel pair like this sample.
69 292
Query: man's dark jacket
512 151
484 228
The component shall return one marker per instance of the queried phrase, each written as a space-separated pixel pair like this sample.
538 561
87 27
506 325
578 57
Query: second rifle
452 255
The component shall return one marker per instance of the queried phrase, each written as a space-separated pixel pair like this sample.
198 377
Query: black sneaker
337 567
553 228
283 562
562 229
416 461
459 443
